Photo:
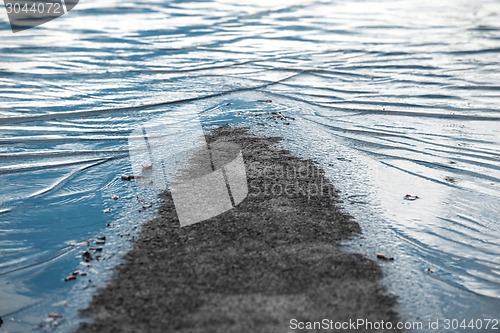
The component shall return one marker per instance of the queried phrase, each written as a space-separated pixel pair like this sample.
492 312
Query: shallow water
392 98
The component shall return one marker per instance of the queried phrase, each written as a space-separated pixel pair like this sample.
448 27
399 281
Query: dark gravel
273 258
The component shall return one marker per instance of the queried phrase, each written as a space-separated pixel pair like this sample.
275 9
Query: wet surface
393 98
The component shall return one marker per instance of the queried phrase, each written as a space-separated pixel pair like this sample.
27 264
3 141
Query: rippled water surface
392 98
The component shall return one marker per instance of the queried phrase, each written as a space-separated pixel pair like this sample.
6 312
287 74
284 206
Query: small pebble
130 177
54 316
83 243
101 240
383 257
87 256
147 166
